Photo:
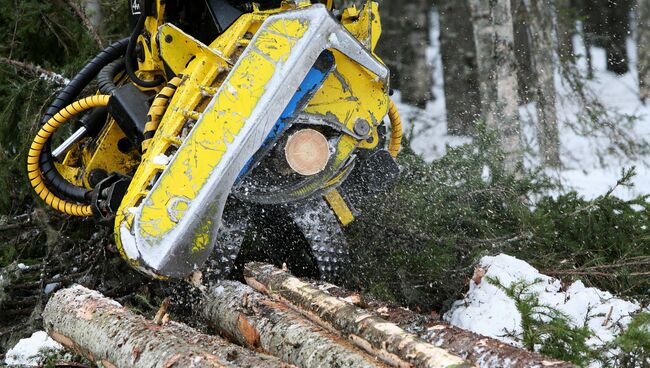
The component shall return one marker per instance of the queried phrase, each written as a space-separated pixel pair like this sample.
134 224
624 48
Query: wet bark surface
480 350
104 332
363 328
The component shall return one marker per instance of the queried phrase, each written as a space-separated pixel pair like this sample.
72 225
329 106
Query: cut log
258 322
103 331
366 330
481 350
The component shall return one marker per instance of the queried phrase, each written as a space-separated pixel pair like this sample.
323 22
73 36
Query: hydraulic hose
106 77
395 129
129 58
68 94
34 171
157 111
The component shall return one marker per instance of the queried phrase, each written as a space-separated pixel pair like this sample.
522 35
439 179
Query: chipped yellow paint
351 93
348 94
207 142
220 125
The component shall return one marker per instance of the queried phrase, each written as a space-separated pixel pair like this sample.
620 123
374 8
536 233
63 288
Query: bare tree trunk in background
525 76
460 74
540 23
93 10
493 33
607 24
643 47
405 38
566 28
618 27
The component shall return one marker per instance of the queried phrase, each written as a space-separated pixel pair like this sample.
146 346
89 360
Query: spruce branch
35 70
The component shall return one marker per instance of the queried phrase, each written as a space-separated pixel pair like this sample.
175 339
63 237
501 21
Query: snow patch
25 353
161 160
487 310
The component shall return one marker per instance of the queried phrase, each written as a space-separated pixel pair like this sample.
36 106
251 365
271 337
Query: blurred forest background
528 131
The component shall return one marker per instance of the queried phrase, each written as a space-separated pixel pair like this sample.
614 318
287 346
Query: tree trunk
481 350
405 38
364 329
105 332
255 321
540 23
493 34
643 47
618 27
458 53
525 76
93 10
566 28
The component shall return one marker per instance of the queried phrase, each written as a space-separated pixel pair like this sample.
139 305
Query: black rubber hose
129 59
106 77
57 183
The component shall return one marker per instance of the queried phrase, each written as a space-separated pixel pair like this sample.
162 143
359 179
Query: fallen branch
255 321
36 71
366 330
330 303
104 332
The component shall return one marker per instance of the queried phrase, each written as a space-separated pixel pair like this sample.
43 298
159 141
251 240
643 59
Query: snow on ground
25 353
487 310
584 170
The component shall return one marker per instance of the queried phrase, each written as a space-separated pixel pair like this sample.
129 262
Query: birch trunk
493 34
255 321
104 332
643 48
540 22
480 350
459 67
366 330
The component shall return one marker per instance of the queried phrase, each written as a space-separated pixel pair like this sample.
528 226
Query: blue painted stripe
314 79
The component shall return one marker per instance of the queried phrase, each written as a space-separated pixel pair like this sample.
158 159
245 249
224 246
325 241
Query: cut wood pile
277 320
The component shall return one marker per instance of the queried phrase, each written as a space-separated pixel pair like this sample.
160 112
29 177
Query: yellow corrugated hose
157 110
44 134
395 129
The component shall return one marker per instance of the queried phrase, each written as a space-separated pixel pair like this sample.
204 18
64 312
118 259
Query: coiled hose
395 129
106 77
40 142
68 94
130 58
157 110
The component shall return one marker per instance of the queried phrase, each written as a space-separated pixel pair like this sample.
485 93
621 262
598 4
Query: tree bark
525 76
643 47
480 350
405 38
458 53
566 28
364 329
493 34
618 27
253 320
105 332
540 23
